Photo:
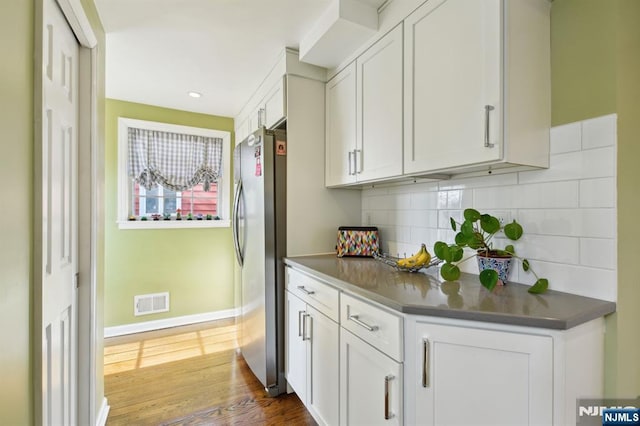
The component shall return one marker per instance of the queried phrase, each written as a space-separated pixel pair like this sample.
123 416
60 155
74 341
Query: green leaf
453 224
510 249
439 249
540 286
456 253
513 230
467 228
489 224
475 241
489 278
471 215
450 272
525 265
461 239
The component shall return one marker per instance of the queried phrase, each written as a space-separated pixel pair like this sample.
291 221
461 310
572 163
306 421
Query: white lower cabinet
312 359
482 377
370 384
355 362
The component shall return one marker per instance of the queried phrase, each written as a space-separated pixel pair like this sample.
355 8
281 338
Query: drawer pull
305 291
387 412
425 363
362 324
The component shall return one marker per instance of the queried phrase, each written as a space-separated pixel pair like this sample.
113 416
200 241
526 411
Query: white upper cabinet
340 124
275 105
364 116
379 109
477 91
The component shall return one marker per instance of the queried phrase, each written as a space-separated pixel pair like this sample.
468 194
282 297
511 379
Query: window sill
172 224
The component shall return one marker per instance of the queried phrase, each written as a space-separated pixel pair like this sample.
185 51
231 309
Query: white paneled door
59 195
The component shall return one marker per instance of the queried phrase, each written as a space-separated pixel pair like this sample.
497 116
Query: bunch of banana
421 258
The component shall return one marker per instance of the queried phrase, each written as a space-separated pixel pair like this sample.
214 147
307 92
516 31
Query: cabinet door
452 72
296 359
379 109
370 384
323 351
275 105
482 377
340 134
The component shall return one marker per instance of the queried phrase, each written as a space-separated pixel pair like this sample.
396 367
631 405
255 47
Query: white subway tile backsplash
573 166
599 223
423 200
598 132
598 253
427 236
598 192
566 138
444 218
594 223
568 211
599 162
495 197
423 218
379 217
546 195
549 248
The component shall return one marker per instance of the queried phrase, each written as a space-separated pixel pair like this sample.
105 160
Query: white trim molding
101 419
121 330
79 22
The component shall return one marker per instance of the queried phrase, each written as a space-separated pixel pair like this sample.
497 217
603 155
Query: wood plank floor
189 375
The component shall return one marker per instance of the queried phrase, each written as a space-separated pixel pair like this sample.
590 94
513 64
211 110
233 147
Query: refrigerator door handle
235 219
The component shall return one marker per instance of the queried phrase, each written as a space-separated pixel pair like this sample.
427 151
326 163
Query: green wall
624 348
595 59
16 231
194 265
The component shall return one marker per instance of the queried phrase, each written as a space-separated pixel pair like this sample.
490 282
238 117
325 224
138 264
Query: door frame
90 152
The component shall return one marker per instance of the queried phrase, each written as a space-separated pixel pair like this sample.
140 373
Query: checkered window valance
173 160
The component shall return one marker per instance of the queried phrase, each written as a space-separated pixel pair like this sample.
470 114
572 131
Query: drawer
319 295
376 326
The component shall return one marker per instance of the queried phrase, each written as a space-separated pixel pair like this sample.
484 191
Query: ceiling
159 50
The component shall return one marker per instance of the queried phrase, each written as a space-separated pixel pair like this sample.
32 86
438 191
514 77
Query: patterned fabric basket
358 241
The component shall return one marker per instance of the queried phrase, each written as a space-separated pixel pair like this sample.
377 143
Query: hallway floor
189 375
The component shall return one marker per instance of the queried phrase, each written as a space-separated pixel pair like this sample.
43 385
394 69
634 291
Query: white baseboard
120 330
101 419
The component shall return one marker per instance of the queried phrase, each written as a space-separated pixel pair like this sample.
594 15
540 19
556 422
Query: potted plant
477 232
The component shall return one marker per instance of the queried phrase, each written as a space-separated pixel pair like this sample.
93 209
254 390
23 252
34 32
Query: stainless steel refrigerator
259 235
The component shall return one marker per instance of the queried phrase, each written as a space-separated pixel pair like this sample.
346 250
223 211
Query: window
172 176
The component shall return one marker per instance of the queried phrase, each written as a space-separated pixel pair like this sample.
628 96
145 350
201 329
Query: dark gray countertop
424 294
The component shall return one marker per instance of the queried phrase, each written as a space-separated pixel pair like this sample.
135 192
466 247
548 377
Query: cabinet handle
260 117
306 334
305 291
387 409
425 363
351 163
487 109
300 323
357 320
355 156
